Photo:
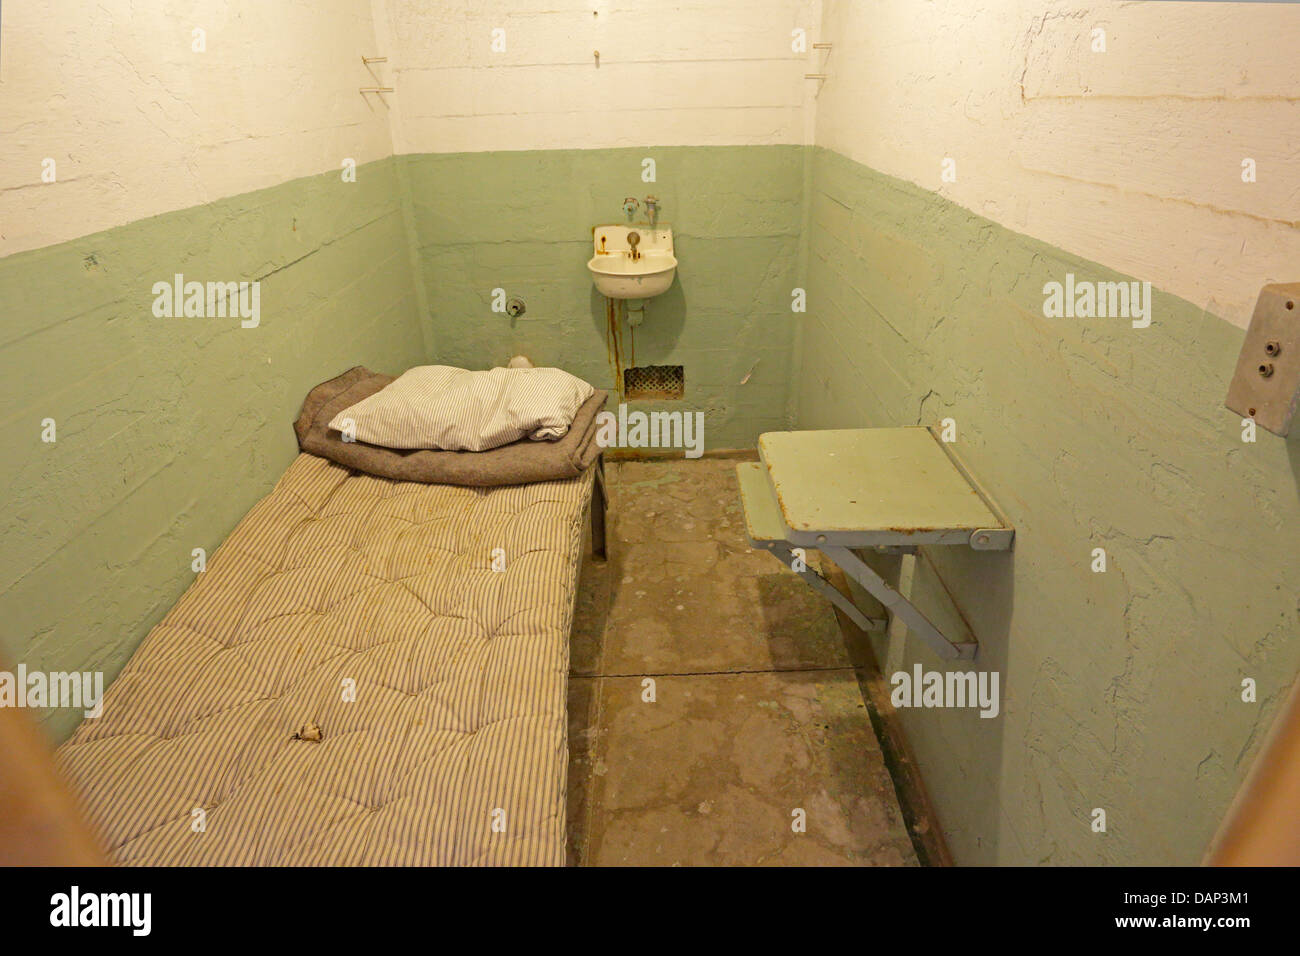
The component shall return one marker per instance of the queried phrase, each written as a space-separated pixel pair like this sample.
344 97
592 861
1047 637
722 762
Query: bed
369 672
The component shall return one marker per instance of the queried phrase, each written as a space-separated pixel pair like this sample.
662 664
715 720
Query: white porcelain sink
619 273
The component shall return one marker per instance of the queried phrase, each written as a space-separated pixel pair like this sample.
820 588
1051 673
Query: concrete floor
757 711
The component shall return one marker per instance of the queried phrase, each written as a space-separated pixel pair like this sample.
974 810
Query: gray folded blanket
517 463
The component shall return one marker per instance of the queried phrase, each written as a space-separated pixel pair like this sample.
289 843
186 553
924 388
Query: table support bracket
785 554
898 605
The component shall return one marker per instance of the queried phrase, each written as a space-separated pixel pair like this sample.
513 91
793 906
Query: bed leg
599 502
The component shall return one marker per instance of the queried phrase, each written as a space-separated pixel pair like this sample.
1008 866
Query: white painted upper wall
1131 157
138 123
670 73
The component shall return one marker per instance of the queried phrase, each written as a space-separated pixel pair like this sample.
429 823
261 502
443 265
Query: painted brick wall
514 154
169 429
1131 156
216 154
1120 690
139 122
670 73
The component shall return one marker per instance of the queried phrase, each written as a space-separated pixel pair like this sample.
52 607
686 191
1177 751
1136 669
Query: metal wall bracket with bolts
1266 384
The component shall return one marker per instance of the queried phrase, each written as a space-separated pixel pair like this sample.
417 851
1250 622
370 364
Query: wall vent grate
654 381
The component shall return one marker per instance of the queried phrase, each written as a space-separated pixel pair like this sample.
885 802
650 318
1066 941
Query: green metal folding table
890 489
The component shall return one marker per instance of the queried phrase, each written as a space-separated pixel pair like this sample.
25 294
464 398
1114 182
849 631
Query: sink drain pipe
635 311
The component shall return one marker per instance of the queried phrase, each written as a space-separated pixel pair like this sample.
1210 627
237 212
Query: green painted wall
1121 690
522 221
170 429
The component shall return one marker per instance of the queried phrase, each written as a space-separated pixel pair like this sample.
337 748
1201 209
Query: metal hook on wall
818 76
367 60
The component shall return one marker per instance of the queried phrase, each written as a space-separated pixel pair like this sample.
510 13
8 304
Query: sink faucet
652 210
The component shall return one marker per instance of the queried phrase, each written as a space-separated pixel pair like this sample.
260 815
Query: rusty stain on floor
757 721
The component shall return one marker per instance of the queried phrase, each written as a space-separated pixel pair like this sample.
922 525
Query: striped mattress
367 611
